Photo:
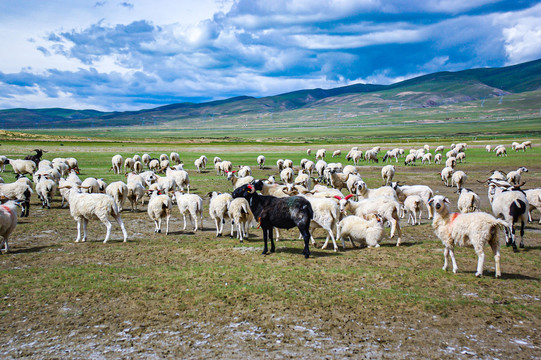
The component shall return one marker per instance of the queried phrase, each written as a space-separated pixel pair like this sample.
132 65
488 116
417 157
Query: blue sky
134 54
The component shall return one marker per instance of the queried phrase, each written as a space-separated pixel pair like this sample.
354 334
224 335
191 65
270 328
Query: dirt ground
173 323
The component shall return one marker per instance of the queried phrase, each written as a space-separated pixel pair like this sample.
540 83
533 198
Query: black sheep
283 213
35 158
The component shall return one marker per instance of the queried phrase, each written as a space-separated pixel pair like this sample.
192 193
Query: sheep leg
265 248
122 227
430 210
395 226
306 235
4 244
78 231
193 220
522 234
167 224
232 229
480 262
85 224
445 258
495 245
184 219
158 224
108 226
222 221
239 231
452 253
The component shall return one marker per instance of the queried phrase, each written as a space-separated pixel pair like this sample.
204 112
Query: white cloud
522 35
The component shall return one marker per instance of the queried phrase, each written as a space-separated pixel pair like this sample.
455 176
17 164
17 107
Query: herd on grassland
310 199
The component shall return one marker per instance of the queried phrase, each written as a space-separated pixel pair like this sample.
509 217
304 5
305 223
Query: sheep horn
349 196
337 197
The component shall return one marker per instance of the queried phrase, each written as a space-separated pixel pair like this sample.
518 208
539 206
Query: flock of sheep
359 216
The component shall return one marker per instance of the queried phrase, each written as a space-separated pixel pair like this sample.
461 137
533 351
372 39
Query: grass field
188 295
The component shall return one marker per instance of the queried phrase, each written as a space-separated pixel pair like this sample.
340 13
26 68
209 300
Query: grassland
188 295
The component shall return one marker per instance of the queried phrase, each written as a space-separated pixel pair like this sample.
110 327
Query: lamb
84 207
8 221
387 174
244 171
45 189
515 177
261 161
116 163
218 206
283 213
175 158
514 144
501 151
190 203
459 179
320 154
472 229
119 192
468 201
239 181
20 191
240 214
510 205
446 174
336 153
159 207
426 193
412 208
22 166
384 206
367 232
90 185
534 199
410 159
198 164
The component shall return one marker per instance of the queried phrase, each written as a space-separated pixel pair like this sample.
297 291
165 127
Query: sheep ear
430 201
446 201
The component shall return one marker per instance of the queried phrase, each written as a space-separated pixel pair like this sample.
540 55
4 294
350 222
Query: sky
118 55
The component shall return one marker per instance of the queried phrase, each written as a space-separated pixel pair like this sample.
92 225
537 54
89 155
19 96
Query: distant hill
424 91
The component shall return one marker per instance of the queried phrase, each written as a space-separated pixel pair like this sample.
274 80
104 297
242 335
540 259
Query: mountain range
424 91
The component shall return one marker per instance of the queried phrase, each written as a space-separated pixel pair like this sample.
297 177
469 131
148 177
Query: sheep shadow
313 252
505 276
29 250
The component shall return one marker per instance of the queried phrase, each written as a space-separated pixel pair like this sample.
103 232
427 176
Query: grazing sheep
472 229
488 148
286 175
8 221
367 232
90 185
450 162
438 158
461 157
204 159
459 179
387 174
527 144
321 165
515 177
534 199
180 178
84 207
218 168
309 166
280 164
426 158
446 174
320 154
364 192
159 207
308 152
283 213
468 201
74 164
218 206
3 163
192 204
410 160
371 156
426 193
226 167
146 159
163 157
175 158
116 164
119 192
501 151
20 191
326 216
261 161
354 155
412 208
129 164
217 159
138 167
439 149
154 165
136 193
337 153
352 181
520 147
241 215
137 158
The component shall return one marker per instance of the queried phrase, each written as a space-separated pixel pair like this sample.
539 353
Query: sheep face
439 202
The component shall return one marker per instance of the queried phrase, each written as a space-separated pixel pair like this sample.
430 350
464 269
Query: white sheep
387 174
116 163
74 164
217 159
410 159
426 158
326 216
534 199
286 175
412 208
244 171
20 191
8 222
461 157
471 229
164 157
352 181
371 156
320 154
175 158
226 166
459 179
62 168
446 175
166 183
425 192
241 215
309 166
384 206
366 232
288 163
22 166
159 207
45 189
438 158
180 178
84 207
129 164
501 151
218 209
119 192
138 167
261 161
364 192
337 153
137 158
154 165
439 149
355 155
468 201
198 164
450 162
146 159
3 162
192 204
515 177
136 193
204 159
512 206
90 185
308 152
238 181
218 168
321 165
350 169
527 144
488 148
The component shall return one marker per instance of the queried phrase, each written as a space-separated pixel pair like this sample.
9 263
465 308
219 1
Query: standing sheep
116 164
159 207
468 201
8 221
240 214
218 206
472 229
261 161
192 204
387 174
367 232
